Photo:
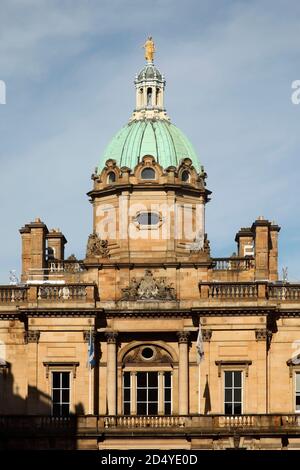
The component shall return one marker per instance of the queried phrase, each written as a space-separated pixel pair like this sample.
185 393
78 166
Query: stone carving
148 288
200 244
96 246
31 336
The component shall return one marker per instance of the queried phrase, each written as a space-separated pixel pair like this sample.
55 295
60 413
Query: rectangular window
60 393
126 393
233 392
147 393
297 383
168 393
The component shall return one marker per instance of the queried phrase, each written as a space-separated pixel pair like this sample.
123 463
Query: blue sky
69 68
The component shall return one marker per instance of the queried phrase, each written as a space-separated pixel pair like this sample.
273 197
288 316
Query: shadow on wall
20 428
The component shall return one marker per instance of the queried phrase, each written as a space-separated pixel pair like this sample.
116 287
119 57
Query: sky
69 67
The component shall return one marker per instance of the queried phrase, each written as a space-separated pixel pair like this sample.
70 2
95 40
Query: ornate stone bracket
183 336
31 336
86 335
264 334
111 337
244 364
206 335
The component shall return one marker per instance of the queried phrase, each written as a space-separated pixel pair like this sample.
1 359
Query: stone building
150 341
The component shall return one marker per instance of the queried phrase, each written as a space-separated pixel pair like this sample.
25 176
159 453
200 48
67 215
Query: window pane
228 379
141 394
237 379
148 174
126 379
228 408
298 402
167 394
167 408
228 394
153 394
298 382
152 379
56 409
55 379
65 379
65 396
167 379
126 394
64 410
141 409
238 395
141 379
152 409
237 408
126 408
56 396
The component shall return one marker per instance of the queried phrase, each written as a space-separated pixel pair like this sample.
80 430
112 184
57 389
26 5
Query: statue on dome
149 47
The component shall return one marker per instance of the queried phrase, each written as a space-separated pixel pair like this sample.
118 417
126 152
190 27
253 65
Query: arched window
149 96
148 174
111 177
185 176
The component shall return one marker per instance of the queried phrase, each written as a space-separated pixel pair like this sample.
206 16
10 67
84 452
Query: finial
149 47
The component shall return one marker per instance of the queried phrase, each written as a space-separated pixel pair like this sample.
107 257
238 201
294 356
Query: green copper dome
159 138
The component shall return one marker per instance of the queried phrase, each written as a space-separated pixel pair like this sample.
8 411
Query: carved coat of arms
148 288
96 247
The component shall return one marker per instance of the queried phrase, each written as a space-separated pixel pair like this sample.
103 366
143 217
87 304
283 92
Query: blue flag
91 351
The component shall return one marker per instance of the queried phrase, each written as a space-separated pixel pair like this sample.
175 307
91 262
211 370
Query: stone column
183 373
133 394
161 398
31 339
111 373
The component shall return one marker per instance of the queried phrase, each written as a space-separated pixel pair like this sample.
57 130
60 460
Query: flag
199 346
91 351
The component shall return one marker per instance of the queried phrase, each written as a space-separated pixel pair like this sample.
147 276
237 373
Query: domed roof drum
149 131
159 138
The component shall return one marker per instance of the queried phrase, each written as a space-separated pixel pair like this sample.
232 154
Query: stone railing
36 424
13 294
229 290
66 266
284 291
144 421
64 292
233 264
202 422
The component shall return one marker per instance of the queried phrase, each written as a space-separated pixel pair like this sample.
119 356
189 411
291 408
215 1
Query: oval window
185 176
148 174
148 218
111 177
147 353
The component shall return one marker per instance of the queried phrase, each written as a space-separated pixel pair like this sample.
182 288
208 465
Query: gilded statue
149 47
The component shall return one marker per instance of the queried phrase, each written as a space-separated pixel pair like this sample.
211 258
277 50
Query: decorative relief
183 336
136 355
31 336
111 337
96 246
206 335
148 288
200 244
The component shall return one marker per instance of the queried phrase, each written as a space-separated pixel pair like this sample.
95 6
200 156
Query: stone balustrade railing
233 264
284 291
13 294
48 293
98 424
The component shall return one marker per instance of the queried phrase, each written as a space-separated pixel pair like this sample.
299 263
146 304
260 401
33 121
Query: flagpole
90 391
